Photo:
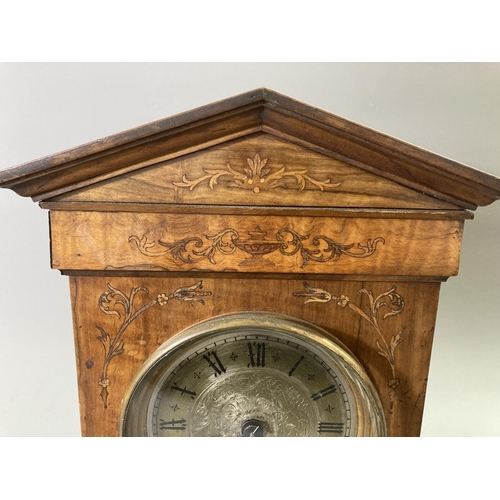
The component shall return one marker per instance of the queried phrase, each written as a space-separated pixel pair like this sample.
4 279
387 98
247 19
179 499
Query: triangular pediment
214 154
259 169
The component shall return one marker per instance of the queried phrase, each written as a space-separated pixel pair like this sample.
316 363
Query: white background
452 109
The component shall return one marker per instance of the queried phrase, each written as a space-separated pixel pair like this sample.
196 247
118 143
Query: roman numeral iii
331 427
173 425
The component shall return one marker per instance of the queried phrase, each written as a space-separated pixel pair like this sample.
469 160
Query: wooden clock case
254 203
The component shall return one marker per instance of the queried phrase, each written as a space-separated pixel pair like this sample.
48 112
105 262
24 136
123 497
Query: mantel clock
255 267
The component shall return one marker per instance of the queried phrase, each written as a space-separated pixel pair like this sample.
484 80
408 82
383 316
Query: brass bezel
370 420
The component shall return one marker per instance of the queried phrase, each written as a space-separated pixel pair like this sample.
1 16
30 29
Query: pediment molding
264 111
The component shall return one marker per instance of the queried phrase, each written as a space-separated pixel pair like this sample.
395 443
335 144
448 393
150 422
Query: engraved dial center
282 404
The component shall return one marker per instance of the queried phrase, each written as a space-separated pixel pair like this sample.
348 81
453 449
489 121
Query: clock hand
254 431
252 428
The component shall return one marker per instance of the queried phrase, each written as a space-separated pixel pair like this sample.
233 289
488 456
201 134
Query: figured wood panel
120 322
260 170
247 244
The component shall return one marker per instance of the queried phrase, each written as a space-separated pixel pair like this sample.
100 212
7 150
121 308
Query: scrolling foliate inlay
256 177
391 301
287 241
116 303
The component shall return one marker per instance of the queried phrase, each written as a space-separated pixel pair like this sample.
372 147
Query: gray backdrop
450 109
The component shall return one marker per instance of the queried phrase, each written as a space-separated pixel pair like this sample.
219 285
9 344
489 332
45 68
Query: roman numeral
324 392
217 365
331 427
173 425
295 366
175 387
257 357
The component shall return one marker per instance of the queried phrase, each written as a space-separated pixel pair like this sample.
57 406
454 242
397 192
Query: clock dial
252 375
251 384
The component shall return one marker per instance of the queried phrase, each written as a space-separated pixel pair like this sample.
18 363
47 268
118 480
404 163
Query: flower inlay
116 303
391 301
257 176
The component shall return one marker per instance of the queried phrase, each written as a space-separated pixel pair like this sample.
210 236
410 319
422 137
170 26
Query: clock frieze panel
244 244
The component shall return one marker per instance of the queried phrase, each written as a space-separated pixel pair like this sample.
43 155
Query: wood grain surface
257 170
347 315
172 242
